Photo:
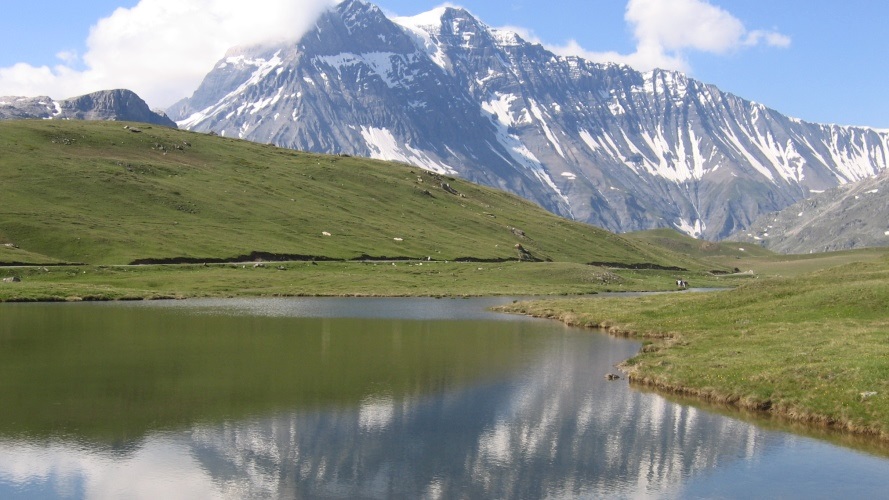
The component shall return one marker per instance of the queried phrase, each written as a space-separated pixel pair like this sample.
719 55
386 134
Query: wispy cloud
161 49
665 31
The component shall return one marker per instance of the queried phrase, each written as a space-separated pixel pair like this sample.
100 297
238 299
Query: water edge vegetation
812 347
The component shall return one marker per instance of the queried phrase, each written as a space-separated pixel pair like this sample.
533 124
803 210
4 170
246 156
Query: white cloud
69 56
161 49
771 38
666 30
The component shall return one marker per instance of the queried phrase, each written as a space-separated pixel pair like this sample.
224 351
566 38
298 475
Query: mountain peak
601 143
426 20
445 19
351 5
456 27
355 11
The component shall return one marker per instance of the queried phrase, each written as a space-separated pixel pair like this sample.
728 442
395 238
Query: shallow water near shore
373 398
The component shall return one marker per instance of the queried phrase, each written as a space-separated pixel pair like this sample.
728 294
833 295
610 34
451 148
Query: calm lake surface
367 398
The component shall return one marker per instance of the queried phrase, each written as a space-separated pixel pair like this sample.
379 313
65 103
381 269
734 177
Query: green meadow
100 193
100 196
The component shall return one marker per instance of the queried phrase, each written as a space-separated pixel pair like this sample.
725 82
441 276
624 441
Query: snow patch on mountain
499 109
589 141
694 229
390 67
384 146
538 113
750 158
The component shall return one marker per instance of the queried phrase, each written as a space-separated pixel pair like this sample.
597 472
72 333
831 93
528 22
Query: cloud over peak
161 49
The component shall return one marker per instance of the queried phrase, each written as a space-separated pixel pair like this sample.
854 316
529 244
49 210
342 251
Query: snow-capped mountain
604 144
119 104
850 216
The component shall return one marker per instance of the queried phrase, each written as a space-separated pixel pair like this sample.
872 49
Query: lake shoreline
770 348
764 407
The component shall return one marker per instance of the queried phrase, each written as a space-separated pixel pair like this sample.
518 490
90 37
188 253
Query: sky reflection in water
542 423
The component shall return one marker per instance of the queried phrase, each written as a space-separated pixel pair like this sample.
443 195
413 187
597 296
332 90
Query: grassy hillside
12 255
102 193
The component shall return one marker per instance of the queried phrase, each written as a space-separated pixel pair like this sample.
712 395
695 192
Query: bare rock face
120 105
600 143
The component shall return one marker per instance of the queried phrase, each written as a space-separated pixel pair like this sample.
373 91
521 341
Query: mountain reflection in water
544 424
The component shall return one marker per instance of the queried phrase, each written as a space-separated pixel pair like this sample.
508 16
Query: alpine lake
372 398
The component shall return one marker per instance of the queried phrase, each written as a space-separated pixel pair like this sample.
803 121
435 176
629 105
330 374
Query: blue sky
819 60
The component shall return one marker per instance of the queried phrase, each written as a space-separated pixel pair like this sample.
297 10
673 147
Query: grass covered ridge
100 193
812 348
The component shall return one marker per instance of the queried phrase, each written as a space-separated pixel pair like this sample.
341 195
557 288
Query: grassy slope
96 193
17 256
810 347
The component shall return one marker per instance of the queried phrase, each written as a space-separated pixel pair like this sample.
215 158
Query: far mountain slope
603 144
119 105
851 216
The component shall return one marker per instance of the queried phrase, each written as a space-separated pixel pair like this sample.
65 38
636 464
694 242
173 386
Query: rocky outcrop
119 105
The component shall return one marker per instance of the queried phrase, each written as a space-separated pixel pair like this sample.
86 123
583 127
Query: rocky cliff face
121 105
850 216
604 144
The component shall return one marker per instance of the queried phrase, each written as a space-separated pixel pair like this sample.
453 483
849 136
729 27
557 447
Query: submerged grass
811 348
